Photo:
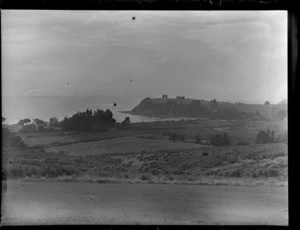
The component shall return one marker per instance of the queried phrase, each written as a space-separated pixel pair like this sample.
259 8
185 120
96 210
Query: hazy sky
230 56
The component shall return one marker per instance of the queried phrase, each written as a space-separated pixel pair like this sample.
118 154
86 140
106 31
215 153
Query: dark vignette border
149 4
292 6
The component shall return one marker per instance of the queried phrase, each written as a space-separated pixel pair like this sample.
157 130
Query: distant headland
186 107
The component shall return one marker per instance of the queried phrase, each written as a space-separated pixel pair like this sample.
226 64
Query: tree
126 123
267 103
265 137
24 121
39 122
89 120
53 122
3 119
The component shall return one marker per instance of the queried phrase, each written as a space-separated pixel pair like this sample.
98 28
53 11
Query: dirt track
91 203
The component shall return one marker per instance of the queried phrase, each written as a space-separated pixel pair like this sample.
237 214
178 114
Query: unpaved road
91 203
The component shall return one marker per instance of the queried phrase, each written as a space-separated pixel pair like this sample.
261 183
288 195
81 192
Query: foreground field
92 203
144 154
254 164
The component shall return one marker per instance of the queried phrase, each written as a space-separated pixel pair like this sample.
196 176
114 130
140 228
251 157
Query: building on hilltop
165 96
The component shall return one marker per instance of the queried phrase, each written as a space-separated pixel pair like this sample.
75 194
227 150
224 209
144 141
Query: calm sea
14 109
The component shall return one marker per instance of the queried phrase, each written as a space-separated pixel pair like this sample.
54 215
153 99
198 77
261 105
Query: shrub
205 154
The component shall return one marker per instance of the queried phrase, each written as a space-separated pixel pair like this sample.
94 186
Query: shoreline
163 117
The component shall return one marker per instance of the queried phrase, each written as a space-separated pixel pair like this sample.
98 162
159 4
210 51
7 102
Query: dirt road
91 203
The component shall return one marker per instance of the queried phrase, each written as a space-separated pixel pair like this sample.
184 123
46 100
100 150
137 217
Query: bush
264 137
205 154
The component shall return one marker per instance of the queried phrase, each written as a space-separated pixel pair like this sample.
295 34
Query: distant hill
174 107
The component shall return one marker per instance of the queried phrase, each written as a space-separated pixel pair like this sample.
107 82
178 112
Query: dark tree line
264 137
220 139
89 121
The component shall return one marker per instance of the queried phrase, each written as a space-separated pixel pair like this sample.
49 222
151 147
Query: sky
237 56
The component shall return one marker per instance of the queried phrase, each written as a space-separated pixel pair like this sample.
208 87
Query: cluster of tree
89 121
53 122
32 126
264 137
220 139
24 121
176 136
39 122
